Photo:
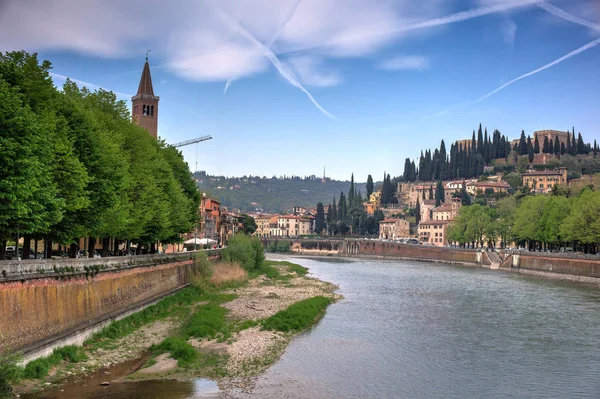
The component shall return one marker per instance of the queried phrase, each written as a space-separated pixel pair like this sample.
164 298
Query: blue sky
381 73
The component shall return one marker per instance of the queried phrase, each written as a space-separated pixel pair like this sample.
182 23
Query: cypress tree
418 212
473 142
595 149
530 151
551 147
557 147
480 141
580 145
522 148
431 196
351 192
333 211
573 150
439 193
563 150
536 145
369 186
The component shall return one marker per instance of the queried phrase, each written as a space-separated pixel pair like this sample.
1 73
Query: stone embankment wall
411 251
46 300
563 266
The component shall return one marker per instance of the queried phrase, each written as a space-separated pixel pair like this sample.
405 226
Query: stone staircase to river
495 260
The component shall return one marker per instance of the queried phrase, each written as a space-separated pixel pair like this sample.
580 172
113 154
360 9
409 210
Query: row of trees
574 146
348 215
538 222
73 165
464 161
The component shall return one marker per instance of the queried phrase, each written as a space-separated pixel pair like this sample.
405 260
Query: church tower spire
144 104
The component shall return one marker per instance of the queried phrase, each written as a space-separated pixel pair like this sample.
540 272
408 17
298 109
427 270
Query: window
152 110
145 111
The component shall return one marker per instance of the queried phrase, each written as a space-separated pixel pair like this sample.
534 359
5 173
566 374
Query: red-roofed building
482 186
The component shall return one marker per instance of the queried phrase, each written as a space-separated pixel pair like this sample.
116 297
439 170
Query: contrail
89 85
566 16
274 38
449 19
267 52
581 49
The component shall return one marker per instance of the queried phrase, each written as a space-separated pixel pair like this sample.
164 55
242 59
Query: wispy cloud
283 71
404 62
311 73
573 53
568 17
509 31
63 78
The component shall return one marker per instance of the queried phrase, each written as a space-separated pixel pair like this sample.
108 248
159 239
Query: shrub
245 250
298 316
202 266
9 373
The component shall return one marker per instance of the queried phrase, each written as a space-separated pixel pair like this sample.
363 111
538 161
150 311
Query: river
410 329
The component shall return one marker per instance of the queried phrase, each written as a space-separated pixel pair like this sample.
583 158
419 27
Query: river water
424 330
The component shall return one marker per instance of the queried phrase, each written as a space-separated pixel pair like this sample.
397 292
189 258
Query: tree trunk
73 250
3 249
105 244
26 246
91 246
48 248
153 248
35 248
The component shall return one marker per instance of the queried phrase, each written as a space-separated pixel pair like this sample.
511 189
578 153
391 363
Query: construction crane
192 141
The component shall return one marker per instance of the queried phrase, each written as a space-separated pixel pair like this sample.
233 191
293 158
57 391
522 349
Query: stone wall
37 308
392 249
588 267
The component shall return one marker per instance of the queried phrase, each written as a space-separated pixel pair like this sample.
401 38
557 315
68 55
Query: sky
288 87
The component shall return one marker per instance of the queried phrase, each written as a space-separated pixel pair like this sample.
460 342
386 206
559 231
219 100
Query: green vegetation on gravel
299 316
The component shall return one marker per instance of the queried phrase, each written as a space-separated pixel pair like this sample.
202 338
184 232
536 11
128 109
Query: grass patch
292 267
299 316
169 306
40 367
180 349
208 322
228 275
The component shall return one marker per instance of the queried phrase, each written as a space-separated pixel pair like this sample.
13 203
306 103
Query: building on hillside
407 193
374 203
298 210
262 226
434 231
393 229
144 105
476 187
543 181
426 210
465 143
550 135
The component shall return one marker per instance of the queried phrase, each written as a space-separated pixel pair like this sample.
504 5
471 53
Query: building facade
543 181
393 229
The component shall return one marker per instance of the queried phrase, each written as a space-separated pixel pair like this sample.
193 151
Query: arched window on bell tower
152 110
145 112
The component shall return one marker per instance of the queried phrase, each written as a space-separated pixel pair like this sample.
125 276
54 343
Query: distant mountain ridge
272 195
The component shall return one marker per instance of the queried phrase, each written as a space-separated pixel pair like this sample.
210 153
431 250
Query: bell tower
144 104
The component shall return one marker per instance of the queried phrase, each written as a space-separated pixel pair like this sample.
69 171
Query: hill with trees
272 194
